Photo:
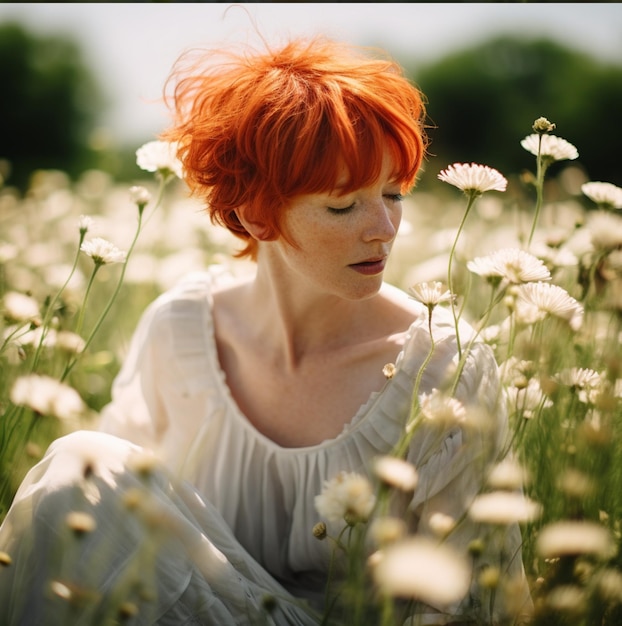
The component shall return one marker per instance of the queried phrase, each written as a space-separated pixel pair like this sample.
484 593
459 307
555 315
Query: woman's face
343 241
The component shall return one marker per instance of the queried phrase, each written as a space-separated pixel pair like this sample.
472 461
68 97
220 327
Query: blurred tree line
483 100
481 103
49 105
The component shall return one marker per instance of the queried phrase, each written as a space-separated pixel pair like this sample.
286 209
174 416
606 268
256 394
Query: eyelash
393 197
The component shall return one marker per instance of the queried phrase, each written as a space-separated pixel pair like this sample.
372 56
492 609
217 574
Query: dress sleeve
137 410
165 390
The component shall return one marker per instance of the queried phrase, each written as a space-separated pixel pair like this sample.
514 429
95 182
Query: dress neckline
349 427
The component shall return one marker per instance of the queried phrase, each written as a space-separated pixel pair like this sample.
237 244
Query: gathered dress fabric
199 518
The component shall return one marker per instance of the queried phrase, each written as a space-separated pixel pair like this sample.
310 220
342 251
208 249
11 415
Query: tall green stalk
164 180
541 165
45 324
471 194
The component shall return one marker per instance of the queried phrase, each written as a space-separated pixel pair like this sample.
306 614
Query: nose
382 221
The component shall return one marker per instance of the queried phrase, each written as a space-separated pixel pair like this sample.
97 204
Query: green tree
49 105
482 102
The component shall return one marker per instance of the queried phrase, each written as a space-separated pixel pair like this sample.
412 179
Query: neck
297 321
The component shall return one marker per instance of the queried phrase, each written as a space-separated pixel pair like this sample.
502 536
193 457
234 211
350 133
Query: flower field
532 260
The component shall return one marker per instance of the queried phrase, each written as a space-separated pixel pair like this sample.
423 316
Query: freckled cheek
339 240
330 238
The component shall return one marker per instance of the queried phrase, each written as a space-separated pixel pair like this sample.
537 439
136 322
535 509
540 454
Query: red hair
255 131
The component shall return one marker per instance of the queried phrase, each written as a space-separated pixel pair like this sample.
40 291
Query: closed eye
342 210
392 197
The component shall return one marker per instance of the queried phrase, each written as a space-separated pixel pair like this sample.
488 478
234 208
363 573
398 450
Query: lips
371 266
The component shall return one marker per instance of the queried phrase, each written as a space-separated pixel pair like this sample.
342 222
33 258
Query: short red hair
257 130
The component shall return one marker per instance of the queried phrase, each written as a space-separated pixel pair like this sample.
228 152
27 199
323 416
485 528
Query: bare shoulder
229 297
399 308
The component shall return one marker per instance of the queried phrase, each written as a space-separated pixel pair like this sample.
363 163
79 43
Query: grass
566 379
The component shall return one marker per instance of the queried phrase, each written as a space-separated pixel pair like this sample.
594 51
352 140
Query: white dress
233 515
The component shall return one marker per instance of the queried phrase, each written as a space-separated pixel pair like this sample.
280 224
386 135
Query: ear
256 230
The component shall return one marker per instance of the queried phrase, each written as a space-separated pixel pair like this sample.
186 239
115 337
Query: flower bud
127 610
476 547
140 196
319 531
269 603
81 523
85 223
489 577
542 125
389 370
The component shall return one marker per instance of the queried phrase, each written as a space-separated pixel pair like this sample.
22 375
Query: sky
132 47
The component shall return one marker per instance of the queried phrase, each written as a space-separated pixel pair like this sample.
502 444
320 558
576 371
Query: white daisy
441 524
566 600
575 484
103 252
503 507
574 538
396 472
19 307
607 194
347 495
507 474
526 314
512 265
69 341
430 293
47 396
8 252
552 300
609 584
605 229
555 256
552 147
528 399
514 370
419 568
40 335
473 178
386 530
159 156
586 382
441 409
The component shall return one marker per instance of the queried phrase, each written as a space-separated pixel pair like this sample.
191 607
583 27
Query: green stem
591 289
541 166
50 310
494 300
9 422
472 194
163 182
388 617
20 331
14 418
96 267
108 306
328 603
414 416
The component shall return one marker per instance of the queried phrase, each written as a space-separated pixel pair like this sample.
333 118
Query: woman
256 392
